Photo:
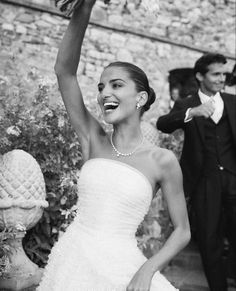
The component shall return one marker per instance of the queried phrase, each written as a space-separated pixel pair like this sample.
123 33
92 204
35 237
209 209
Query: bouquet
151 6
67 6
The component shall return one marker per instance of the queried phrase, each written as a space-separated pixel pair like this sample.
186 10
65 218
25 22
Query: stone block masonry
30 34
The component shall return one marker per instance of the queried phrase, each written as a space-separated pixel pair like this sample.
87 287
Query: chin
109 119
218 89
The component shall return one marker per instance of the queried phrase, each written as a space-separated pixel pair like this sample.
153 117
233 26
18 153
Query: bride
121 173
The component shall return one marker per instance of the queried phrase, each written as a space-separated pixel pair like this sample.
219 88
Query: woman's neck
126 137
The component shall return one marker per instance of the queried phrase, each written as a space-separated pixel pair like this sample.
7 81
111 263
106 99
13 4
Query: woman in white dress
121 173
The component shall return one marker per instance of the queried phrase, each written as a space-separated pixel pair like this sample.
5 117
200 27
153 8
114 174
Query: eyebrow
111 81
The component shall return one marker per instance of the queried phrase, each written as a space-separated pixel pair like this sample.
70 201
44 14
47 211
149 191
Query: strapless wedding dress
99 250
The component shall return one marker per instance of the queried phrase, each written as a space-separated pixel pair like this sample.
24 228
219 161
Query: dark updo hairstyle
201 65
140 79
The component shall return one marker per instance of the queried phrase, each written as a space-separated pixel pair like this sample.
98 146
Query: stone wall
181 33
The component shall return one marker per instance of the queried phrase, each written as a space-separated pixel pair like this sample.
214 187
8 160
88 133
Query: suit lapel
230 106
199 121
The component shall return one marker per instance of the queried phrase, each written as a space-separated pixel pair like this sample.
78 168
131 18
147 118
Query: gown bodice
113 198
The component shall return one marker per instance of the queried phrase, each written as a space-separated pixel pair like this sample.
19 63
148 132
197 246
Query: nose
222 77
106 91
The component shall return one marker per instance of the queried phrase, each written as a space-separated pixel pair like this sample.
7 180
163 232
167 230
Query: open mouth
110 106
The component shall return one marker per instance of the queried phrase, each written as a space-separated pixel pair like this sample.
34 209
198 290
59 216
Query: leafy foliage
6 235
5 250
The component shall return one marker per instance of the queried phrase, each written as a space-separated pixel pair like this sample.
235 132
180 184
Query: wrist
191 112
88 4
187 115
86 7
149 269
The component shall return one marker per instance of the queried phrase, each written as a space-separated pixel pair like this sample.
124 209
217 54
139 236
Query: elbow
160 125
62 70
186 237
61 67
58 69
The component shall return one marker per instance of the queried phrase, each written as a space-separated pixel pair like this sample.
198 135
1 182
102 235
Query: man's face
214 79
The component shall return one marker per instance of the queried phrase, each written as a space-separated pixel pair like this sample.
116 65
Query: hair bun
151 99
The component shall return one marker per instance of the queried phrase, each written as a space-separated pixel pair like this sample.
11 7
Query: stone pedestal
23 273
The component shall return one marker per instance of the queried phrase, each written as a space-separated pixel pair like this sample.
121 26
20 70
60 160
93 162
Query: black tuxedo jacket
192 154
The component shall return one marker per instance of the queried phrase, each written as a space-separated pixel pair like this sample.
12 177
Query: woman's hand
90 2
86 3
141 280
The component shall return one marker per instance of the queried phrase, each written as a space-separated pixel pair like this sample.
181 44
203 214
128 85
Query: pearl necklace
118 153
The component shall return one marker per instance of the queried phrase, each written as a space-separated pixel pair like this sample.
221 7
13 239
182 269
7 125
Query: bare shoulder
164 157
165 161
159 156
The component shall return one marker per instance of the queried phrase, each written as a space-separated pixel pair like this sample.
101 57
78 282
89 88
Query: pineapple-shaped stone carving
22 199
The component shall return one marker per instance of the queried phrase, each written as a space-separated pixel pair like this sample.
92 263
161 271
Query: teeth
110 105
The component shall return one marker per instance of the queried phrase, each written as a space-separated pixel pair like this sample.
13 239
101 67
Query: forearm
170 122
175 243
70 49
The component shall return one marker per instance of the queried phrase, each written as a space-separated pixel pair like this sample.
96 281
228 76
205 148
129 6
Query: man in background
208 161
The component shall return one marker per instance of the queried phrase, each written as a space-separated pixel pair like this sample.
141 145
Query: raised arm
66 68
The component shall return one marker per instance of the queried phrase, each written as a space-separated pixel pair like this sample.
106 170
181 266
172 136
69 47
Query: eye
116 85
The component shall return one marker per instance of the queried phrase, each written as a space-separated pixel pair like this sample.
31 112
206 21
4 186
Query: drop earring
138 106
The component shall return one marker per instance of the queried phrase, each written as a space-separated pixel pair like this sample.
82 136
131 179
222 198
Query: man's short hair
201 65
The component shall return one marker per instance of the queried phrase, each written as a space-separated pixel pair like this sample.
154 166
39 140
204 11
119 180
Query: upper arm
83 122
172 189
174 119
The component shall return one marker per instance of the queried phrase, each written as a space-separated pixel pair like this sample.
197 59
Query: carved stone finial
22 199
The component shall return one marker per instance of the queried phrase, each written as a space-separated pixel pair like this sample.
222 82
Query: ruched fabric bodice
117 209
99 250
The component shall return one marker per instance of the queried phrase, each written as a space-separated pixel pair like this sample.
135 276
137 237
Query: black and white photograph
117 145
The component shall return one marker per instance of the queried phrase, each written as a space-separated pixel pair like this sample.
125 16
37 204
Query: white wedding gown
99 250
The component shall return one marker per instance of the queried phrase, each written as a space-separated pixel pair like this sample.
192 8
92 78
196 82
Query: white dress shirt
218 103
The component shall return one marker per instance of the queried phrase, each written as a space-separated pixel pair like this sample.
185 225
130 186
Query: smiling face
118 96
213 80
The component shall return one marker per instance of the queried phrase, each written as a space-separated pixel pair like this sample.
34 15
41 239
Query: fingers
207 109
204 110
